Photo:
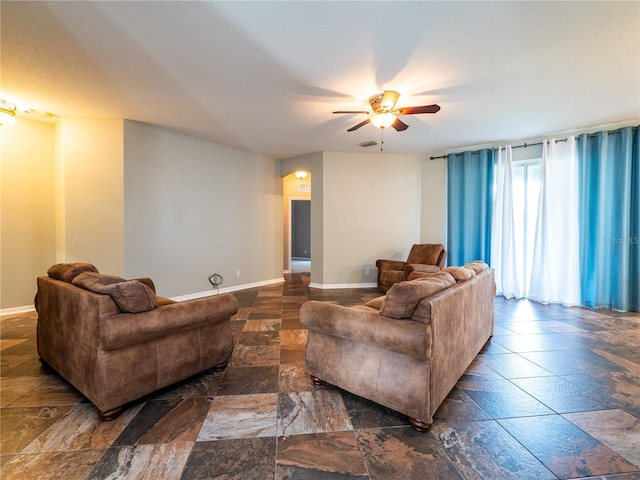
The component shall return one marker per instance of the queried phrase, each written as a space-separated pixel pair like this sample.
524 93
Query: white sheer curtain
504 236
555 276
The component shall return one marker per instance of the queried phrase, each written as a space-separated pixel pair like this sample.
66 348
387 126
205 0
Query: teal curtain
470 198
609 218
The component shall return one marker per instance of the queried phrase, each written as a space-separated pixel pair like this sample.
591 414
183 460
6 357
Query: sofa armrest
130 328
146 281
390 264
419 268
366 325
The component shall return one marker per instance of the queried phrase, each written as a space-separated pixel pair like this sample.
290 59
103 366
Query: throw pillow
477 266
460 273
96 282
131 296
403 297
66 272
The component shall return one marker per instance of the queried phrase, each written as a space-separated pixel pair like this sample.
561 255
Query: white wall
193 208
27 244
371 210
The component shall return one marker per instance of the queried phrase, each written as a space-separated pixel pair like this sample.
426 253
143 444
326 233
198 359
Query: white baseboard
15 310
329 286
235 288
209 293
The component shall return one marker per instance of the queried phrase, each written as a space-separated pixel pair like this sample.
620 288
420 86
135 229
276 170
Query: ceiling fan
383 113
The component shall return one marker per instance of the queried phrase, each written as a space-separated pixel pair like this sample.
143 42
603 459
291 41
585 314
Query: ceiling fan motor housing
375 103
384 102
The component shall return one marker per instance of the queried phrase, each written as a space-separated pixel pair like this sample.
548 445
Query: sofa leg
110 414
419 426
221 366
317 381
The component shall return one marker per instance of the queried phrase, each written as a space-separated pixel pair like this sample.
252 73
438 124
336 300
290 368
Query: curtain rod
525 145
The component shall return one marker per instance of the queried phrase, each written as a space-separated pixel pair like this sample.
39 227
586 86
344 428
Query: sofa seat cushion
66 272
403 298
376 302
131 296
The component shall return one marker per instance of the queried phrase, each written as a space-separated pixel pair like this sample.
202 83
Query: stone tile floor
554 394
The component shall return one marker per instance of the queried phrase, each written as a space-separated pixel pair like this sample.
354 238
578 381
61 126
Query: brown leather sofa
115 341
423 258
408 349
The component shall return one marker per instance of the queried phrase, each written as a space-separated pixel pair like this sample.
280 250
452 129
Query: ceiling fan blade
351 111
361 124
423 109
399 125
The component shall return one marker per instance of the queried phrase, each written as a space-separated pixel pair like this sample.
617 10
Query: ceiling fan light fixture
388 100
383 120
7 114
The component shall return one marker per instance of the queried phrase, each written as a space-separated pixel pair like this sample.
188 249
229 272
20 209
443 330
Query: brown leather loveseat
115 341
423 258
408 349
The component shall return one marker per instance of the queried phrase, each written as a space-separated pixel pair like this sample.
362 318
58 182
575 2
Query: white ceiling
265 76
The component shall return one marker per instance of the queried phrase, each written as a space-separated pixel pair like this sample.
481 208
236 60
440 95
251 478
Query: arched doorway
297 222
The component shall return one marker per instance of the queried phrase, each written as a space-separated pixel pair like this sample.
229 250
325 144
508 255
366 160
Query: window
526 190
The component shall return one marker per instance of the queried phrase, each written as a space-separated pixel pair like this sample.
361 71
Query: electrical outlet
237 273
366 271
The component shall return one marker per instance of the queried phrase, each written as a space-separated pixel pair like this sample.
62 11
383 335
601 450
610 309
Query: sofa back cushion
426 253
403 298
460 273
66 272
477 266
131 296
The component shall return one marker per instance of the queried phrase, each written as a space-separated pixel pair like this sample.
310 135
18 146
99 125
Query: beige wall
62 200
364 207
194 208
433 216
91 198
371 210
28 245
139 200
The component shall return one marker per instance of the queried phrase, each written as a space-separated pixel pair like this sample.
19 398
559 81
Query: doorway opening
300 236
297 222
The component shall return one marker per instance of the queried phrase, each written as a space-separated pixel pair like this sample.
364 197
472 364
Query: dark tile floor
554 394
